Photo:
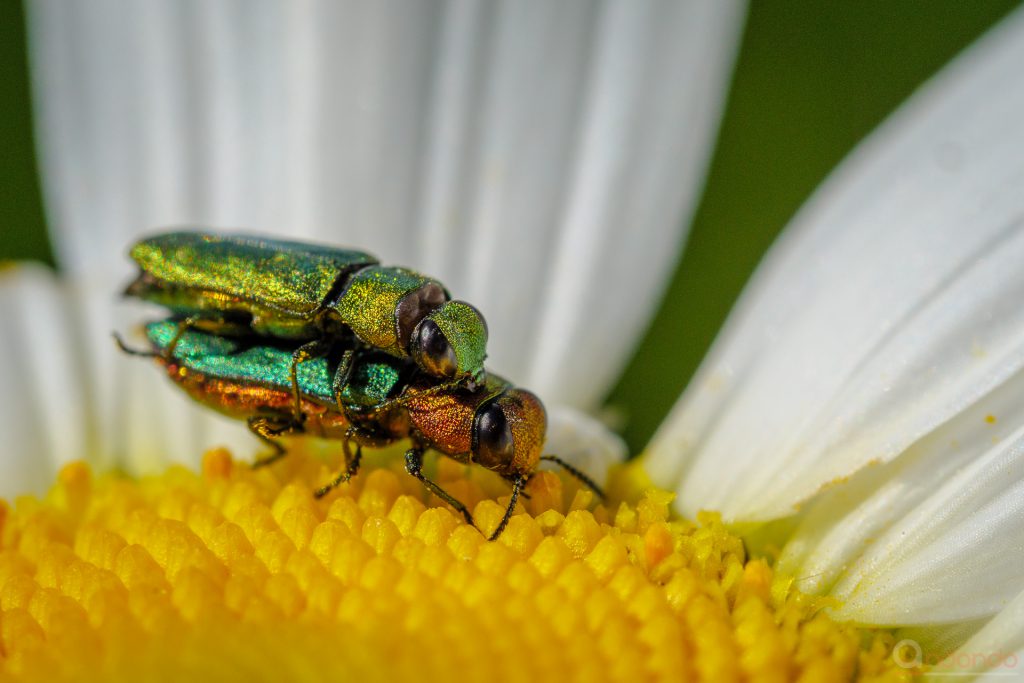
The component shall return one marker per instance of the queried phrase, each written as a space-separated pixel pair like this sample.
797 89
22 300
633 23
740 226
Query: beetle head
451 342
508 432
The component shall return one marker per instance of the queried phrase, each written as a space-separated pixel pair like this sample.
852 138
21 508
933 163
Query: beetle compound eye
414 306
494 446
432 352
466 332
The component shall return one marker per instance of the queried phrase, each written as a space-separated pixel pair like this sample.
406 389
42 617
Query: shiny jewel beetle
237 285
494 425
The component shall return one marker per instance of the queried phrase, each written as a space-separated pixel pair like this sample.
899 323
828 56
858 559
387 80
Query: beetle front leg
342 375
414 465
308 351
511 478
517 486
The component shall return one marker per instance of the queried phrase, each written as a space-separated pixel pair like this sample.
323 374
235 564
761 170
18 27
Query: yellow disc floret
240 574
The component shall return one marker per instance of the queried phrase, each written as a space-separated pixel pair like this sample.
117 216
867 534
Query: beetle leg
351 463
414 464
587 481
341 376
130 351
402 398
214 324
517 486
184 326
308 351
267 429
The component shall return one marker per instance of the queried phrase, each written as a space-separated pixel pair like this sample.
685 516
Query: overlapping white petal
889 307
525 153
875 366
583 441
997 648
945 512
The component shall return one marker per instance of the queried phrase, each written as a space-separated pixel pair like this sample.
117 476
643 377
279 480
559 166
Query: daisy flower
837 494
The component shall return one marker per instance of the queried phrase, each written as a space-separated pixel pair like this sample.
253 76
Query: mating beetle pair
305 339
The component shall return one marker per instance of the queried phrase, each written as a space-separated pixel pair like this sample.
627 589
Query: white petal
890 306
41 407
528 154
997 648
583 442
70 394
952 553
857 539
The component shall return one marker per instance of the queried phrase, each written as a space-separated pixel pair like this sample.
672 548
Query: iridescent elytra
236 285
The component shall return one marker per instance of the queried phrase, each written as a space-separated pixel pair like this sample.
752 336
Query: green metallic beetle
494 424
237 285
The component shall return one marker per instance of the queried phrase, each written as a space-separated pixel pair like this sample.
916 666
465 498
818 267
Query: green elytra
374 380
226 373
237 285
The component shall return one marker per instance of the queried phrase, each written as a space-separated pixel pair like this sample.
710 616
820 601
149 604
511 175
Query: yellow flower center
240 574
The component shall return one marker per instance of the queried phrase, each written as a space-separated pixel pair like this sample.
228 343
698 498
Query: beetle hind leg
268 429
123 345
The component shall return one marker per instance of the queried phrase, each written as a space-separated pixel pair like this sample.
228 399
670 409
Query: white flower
869 381
871 377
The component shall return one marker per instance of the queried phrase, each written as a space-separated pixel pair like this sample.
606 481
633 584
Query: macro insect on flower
859 418
381 399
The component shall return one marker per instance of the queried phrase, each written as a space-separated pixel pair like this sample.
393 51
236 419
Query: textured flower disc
240 574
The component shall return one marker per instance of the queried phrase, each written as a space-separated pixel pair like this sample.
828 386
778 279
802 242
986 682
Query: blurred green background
812 78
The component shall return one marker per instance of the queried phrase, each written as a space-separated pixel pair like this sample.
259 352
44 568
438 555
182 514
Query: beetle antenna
129 350
587 481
